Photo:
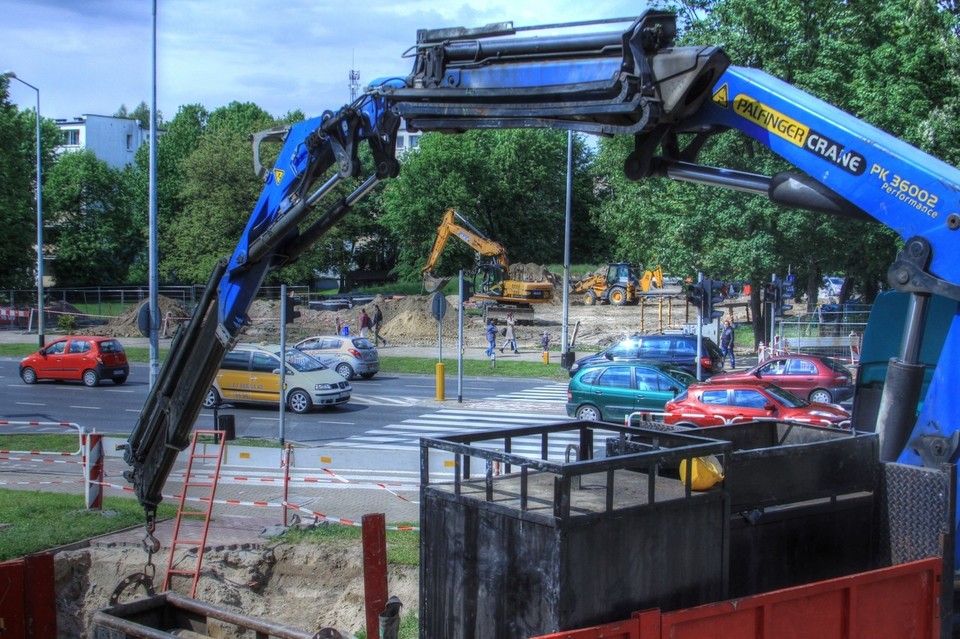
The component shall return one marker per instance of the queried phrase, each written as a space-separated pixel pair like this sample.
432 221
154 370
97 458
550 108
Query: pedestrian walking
726 344
510 340
491 338
364 322
377 323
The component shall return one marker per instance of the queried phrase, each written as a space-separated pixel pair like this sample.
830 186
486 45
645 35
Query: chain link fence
833 330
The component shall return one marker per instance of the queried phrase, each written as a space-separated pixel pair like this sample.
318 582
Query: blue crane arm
621 81
604 82
893 182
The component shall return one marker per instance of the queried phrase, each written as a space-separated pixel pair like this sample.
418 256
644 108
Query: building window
129 142
70 137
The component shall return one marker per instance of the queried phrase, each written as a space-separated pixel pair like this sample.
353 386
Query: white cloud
91 56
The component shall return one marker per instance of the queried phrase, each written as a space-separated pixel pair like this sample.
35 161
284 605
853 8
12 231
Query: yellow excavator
492 282
622 284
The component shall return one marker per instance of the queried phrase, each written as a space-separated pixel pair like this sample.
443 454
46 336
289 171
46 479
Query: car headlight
324 386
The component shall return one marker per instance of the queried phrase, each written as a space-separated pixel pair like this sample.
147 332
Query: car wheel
821 396
367 375
590 298
29 376
618 296
211 399
299 401
90 378
588 413
345 370
119 380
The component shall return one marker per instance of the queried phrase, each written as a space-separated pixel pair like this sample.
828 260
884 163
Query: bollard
441 390
546 357
493 360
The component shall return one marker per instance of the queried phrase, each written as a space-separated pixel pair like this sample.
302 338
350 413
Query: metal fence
832 330
100 304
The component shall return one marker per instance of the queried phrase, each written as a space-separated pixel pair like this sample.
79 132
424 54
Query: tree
18 167
141 114
511 184
830 49
90 221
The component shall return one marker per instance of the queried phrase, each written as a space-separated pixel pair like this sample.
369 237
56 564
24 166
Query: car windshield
786 397
303 362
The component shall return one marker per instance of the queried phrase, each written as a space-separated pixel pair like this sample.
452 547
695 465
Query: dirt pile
172 314
305 586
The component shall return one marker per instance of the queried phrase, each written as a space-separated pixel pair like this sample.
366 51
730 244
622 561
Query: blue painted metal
906 189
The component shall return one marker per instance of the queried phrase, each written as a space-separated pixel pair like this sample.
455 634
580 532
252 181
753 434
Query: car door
654 389
715 404
329 353
265 377
233 378
613 392
801 377
51 364
748 404
76 358
775 371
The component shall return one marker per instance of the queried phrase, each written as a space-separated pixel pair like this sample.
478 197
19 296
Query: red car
83 358
716 403
819 379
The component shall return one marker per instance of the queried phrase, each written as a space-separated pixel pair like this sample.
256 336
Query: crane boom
629 80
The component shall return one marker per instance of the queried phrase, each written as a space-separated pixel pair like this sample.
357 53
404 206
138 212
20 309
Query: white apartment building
113 140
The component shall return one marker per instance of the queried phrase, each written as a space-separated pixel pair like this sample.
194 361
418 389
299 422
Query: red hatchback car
83 358
716 403
819 379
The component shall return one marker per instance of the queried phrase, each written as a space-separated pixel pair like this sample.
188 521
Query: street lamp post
13 76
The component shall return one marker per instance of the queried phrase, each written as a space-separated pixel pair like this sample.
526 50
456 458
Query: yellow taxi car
250 373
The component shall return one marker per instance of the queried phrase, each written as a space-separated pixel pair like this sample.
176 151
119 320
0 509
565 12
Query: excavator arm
495 253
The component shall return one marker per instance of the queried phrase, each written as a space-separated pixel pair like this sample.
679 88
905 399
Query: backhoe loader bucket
433 283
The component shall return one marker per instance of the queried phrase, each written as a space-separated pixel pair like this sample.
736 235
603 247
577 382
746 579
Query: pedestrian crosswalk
549 394
406 434
384 400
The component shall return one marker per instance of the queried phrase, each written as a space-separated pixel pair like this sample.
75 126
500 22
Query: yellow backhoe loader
622 284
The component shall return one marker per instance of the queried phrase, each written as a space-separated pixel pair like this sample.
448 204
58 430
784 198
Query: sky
92 56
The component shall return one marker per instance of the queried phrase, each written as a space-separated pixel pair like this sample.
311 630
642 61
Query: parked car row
629 377
317 371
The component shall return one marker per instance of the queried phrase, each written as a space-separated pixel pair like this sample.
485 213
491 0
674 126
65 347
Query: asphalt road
375 404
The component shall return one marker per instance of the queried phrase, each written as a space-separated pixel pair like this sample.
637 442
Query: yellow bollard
440 382
546 357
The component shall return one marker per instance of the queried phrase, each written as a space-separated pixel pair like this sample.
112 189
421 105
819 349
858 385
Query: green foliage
41 521
90 217
18 172
66 323
403 546
510 184
141 114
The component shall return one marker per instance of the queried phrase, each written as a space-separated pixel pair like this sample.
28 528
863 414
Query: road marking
29 404
86 407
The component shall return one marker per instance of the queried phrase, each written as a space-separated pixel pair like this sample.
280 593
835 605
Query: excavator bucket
433 283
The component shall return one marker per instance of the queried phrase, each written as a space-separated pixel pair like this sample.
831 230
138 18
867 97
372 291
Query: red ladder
188 483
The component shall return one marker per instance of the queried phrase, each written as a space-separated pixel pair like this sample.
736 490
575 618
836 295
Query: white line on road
86 407
29 404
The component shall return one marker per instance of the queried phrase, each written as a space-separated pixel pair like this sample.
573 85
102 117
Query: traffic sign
438 305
